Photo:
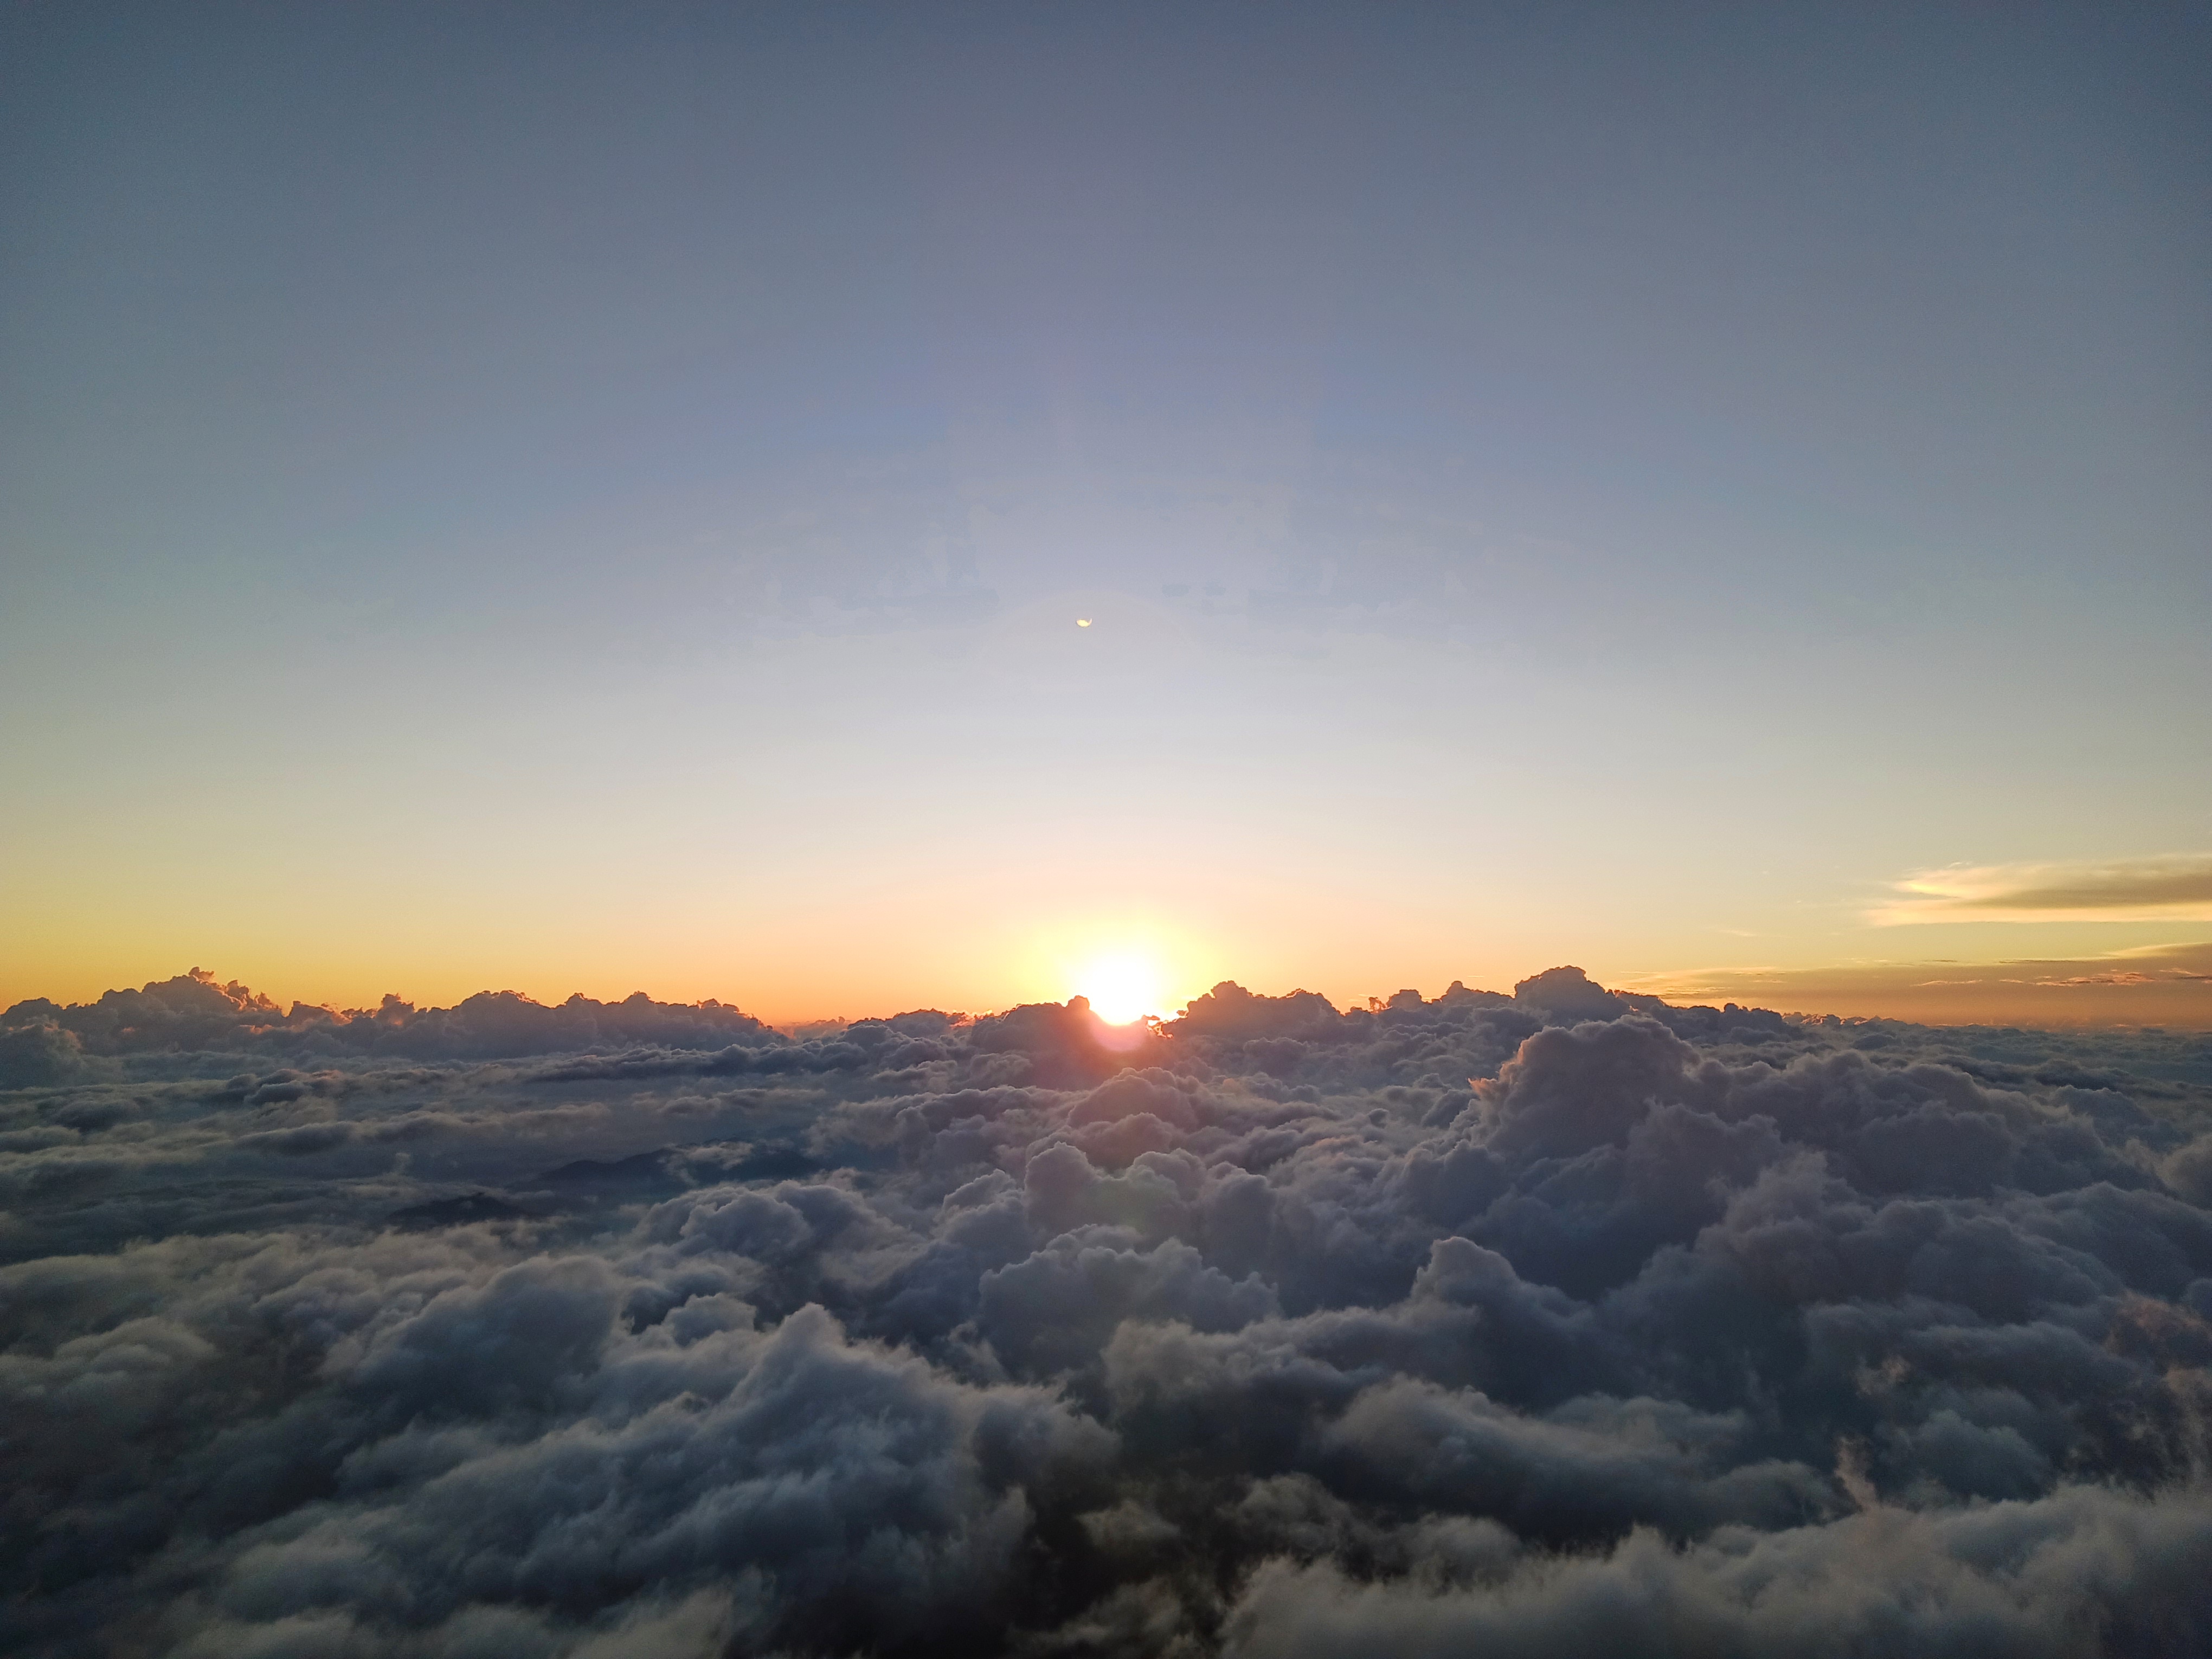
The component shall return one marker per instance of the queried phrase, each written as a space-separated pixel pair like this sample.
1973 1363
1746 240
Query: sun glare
1121 988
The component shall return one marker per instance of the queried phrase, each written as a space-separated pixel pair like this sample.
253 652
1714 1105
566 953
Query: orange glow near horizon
1134 946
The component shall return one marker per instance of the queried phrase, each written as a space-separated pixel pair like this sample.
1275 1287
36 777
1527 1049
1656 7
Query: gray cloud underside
1552 1323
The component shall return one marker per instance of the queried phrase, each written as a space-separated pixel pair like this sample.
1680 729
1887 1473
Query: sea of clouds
1559 1321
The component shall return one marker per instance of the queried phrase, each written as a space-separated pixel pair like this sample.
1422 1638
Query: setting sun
1121 988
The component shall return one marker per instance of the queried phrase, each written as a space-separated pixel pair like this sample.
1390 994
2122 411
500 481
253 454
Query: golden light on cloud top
2176 887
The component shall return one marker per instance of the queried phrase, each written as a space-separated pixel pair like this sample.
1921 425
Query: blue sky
592 499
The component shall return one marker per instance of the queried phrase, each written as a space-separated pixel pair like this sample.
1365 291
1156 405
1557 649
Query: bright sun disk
1121 988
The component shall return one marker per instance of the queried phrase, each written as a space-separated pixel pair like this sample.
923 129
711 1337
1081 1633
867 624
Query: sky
589 500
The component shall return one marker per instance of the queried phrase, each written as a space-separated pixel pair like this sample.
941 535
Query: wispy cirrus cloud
2174 887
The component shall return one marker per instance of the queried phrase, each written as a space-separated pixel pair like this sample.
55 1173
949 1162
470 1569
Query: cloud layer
1516 1323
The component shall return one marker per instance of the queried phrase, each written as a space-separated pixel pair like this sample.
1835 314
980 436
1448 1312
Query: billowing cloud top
1550 1321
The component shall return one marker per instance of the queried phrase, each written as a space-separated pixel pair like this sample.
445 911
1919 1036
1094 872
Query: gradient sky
602 498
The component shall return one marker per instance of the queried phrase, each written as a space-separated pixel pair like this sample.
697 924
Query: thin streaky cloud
2167 985
2175 887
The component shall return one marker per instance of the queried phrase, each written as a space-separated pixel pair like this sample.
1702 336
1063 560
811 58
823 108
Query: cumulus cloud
1535 1321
